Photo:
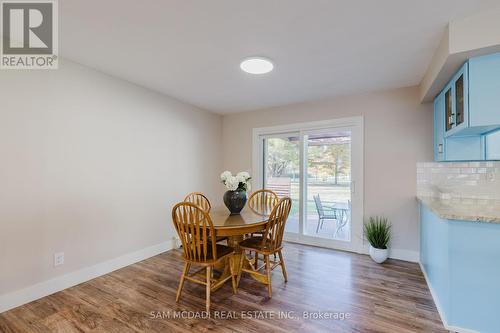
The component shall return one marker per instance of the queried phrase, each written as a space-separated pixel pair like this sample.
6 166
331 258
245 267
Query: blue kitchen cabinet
467 113
460 262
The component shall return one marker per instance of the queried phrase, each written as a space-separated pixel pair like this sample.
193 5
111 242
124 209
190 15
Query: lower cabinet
460 262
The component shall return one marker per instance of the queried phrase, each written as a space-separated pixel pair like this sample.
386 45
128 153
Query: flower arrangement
239 182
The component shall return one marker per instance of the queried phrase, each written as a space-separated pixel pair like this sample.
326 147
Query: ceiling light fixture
256 65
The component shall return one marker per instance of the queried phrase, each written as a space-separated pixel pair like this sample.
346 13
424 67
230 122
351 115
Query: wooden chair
200 200
197 235
270 242
261 202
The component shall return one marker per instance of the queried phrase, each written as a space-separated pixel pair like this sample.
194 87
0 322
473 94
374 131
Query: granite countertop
465 209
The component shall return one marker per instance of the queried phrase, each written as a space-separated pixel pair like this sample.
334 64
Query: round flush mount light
256 65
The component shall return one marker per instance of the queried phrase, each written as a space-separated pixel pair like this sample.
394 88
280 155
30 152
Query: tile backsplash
449 180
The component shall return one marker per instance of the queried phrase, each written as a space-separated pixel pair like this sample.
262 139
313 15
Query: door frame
356 125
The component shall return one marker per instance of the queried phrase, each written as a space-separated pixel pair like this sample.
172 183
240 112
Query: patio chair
325 213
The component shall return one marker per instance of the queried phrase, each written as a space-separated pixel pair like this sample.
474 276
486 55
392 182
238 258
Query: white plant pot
379 255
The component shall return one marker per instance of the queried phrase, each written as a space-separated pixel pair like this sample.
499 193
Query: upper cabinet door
462 98
449 112
458 119
484 91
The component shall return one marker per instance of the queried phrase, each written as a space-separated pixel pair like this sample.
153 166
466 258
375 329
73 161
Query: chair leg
317 228
240 267
256 259
233 280
268 270
209 275
282 263
181 283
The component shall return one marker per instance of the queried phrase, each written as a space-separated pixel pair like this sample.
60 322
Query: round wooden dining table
234 227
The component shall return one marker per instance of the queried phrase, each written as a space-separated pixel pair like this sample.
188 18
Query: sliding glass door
319 167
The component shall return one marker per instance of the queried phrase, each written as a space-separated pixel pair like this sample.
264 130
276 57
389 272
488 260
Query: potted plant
237 186
378 233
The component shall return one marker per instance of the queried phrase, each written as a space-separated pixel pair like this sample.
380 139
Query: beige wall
91 165
398 133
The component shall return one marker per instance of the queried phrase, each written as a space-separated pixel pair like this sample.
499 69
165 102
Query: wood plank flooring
392 297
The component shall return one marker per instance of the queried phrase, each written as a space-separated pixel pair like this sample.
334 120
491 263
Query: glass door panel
450 117
282 172
459 99
328 185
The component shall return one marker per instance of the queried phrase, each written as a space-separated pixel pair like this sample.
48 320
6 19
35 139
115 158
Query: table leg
234 260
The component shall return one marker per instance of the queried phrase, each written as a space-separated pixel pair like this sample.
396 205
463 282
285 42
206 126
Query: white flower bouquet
241 181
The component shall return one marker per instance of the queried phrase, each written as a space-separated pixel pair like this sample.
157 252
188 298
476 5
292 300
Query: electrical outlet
58 259
176 242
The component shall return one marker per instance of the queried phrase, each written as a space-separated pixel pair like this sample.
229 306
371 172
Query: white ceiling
191 49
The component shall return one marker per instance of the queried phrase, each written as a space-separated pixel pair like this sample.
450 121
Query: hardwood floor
392 297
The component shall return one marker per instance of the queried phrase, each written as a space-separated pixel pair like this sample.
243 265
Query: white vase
379 255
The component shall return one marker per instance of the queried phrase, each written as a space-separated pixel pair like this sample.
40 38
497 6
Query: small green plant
378 232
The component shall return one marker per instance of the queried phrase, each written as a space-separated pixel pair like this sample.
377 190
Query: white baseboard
399 254
45 288
406 255
450 328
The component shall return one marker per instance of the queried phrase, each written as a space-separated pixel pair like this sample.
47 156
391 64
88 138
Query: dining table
235 227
